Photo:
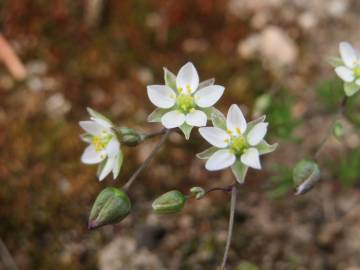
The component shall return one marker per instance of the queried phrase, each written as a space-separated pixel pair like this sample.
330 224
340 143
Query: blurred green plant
280 115
347 169
281 182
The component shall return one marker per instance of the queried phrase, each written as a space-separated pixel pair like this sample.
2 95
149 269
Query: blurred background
271 55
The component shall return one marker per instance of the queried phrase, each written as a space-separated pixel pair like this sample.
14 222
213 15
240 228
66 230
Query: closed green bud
129 136
338 130
111 206
306 175
169 203
198 192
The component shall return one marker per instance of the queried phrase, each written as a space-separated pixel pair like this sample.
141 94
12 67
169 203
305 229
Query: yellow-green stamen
101 141
238 144
185 103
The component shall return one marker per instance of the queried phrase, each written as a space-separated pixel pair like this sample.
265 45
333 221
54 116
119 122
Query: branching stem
339 113
131 180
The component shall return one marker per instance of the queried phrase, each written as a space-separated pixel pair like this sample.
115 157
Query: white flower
183 101
348 68
237 144
104 147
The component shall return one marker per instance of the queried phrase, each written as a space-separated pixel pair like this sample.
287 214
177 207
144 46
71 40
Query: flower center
357 72
185 103
101 141
238 144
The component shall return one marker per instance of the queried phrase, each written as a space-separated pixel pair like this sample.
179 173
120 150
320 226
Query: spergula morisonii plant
185 103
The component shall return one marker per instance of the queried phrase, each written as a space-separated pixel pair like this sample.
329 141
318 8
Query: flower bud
169 203
306 174
111 206
338 130
129 136
198 192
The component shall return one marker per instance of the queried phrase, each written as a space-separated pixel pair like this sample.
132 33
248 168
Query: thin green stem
339 113
231 226
147 161
154 134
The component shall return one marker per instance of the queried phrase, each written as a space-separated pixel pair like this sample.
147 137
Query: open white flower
237 144
348 68
183 102
104 147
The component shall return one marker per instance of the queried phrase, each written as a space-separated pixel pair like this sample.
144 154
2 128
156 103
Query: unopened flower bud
198 192
306 175
111 206
169 203
129 136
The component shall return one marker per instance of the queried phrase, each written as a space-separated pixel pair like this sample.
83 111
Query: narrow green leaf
207 153
239 170
206 83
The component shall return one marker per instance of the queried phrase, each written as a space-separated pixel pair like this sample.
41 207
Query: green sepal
218 119
98 115
206 154
335 62
265 148
351 88
186 129
86 137
252 123
170 79
239 170
111 206
206 83
155 116
118 163
170 202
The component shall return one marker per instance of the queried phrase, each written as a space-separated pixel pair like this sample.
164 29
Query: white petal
235 120
113 147
105 124
215 136
91 127
161 96
109 165
173 119
251 158
196 118
220 160
345 74
208 96
348 54
90 156
257 133
187 77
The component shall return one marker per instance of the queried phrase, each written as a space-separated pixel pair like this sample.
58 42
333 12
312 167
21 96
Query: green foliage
279 114
281 182
347 169
330 93
245 265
